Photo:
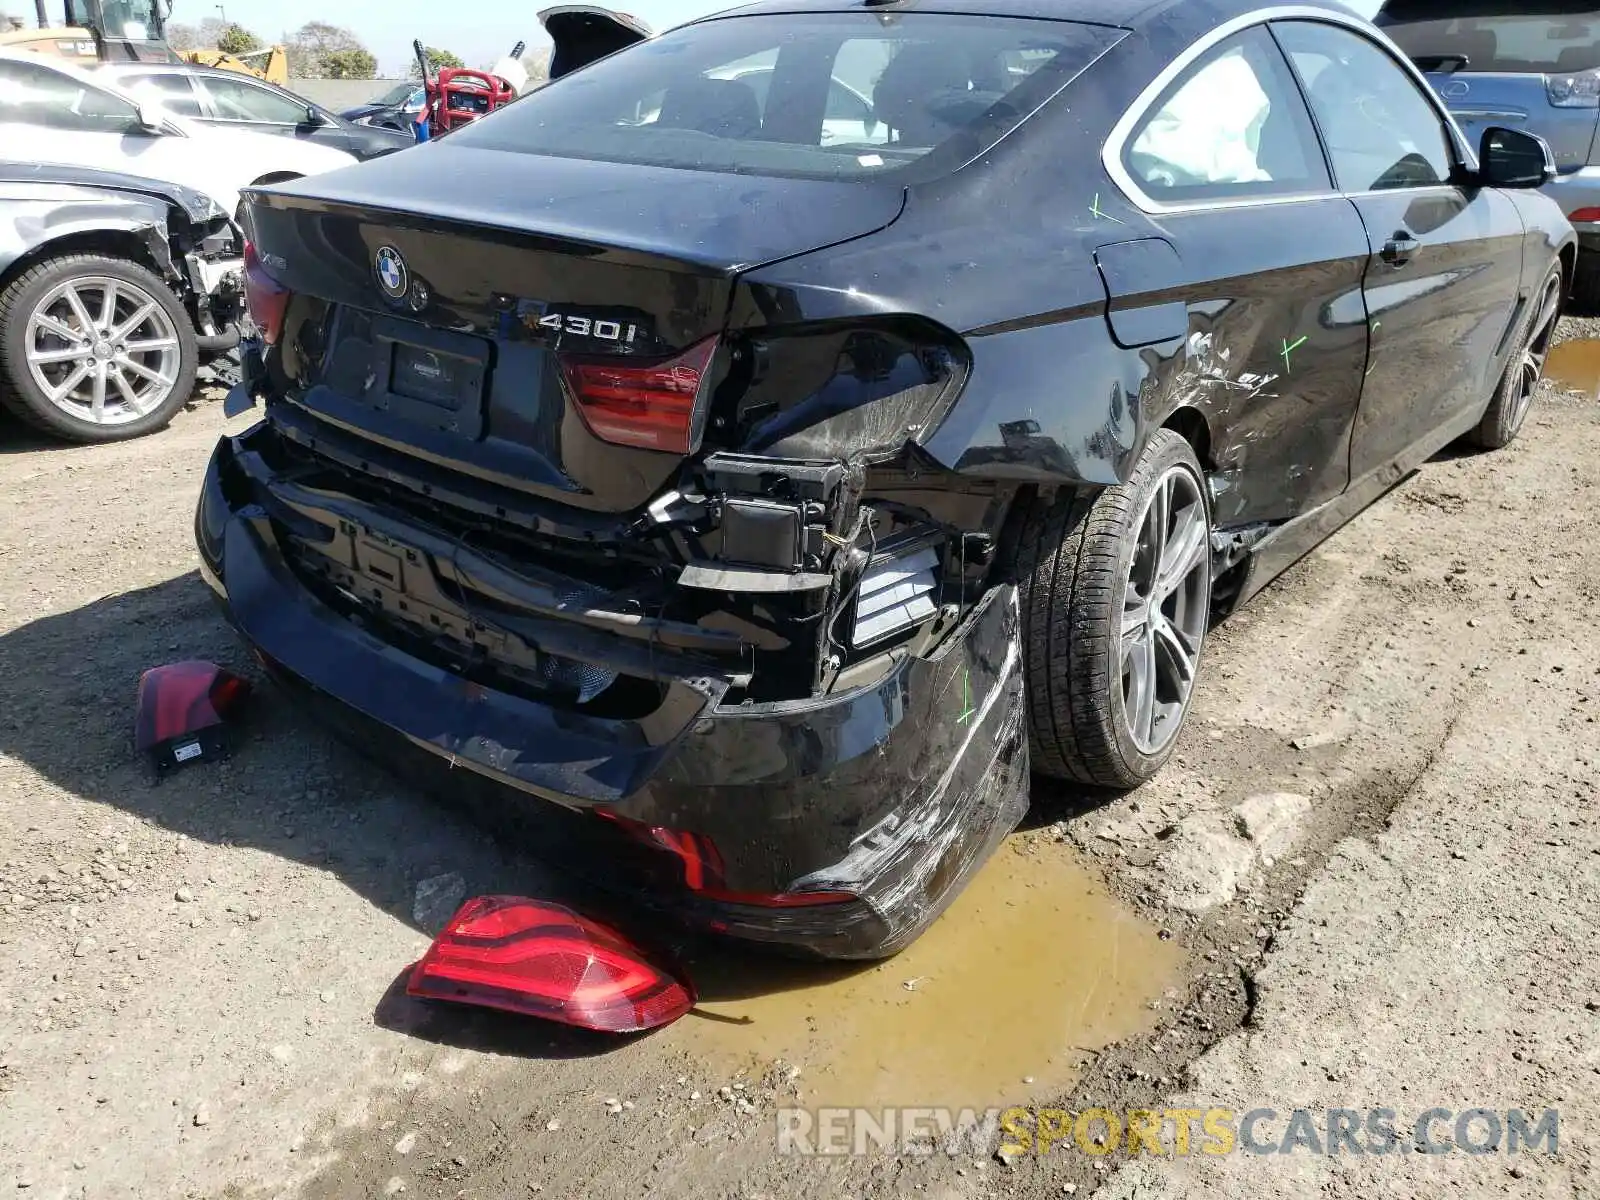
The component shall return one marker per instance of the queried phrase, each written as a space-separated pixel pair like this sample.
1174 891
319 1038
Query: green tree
310 45
349 64
538 64
438 60
236 39
183 37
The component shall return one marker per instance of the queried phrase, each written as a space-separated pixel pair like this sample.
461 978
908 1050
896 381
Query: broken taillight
652 407
182 711
266 299
543 960
703 867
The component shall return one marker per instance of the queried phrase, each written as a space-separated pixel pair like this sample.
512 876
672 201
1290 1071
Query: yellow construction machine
98 31
274 62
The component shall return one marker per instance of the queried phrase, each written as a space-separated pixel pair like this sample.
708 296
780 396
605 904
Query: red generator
460 96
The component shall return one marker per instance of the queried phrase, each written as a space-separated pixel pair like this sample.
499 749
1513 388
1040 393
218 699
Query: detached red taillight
652 407
182 711
264 296
703 867
543 960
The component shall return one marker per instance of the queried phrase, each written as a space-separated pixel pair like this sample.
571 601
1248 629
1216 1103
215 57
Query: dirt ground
1371 877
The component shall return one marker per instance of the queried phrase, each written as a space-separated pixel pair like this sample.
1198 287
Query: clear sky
480 31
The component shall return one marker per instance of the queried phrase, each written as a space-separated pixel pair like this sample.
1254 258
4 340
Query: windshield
1503 36
396 95
814 95
135 20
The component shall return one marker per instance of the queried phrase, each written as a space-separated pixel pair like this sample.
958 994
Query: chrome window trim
1112 151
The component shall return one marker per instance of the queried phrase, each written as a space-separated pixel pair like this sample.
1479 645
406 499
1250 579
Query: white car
52 112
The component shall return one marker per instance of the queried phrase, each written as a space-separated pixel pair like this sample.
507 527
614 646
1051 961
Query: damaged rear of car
114 290
562 477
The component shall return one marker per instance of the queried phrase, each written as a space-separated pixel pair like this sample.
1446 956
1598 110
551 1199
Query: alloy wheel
1165 610
102 350
1531 369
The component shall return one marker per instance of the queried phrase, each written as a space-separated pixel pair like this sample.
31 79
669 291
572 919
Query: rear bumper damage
838 825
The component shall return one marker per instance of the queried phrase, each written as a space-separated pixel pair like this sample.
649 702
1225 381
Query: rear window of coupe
814 95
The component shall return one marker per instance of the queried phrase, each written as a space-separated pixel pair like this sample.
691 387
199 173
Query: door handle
1397 251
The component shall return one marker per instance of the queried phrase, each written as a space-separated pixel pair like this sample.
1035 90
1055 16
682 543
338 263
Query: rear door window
36 95
1501 36
175 93
811 95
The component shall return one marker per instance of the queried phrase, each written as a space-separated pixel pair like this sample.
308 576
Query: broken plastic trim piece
182 711
543 960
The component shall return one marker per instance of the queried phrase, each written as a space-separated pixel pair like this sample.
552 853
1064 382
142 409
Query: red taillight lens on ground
266 299
652 407
543 960
181 712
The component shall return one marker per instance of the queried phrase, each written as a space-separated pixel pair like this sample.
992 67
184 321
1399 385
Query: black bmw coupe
773 440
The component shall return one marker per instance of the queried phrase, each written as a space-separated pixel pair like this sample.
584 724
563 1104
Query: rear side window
1232 126
1524 37
810 95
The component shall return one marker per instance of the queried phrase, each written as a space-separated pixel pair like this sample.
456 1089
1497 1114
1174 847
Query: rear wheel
1513 399
94 349
1116 597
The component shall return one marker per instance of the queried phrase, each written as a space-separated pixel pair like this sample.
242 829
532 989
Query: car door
1445 273
1270 262
242 104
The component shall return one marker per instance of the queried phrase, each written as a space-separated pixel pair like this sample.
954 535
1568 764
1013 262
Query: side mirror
314 117
152 120
1514 158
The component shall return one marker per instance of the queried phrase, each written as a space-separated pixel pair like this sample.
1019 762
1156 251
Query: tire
1084 567
140 390
1513 397
1586 283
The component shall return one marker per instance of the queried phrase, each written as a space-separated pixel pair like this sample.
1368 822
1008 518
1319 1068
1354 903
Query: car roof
135 68
1127 14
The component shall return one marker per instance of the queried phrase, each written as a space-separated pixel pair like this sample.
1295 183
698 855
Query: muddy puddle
1575 366
1034 965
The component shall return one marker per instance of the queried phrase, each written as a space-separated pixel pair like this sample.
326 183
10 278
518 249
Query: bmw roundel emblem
393 277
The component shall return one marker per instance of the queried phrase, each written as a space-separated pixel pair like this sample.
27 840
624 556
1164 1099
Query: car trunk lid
582 33
468 337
